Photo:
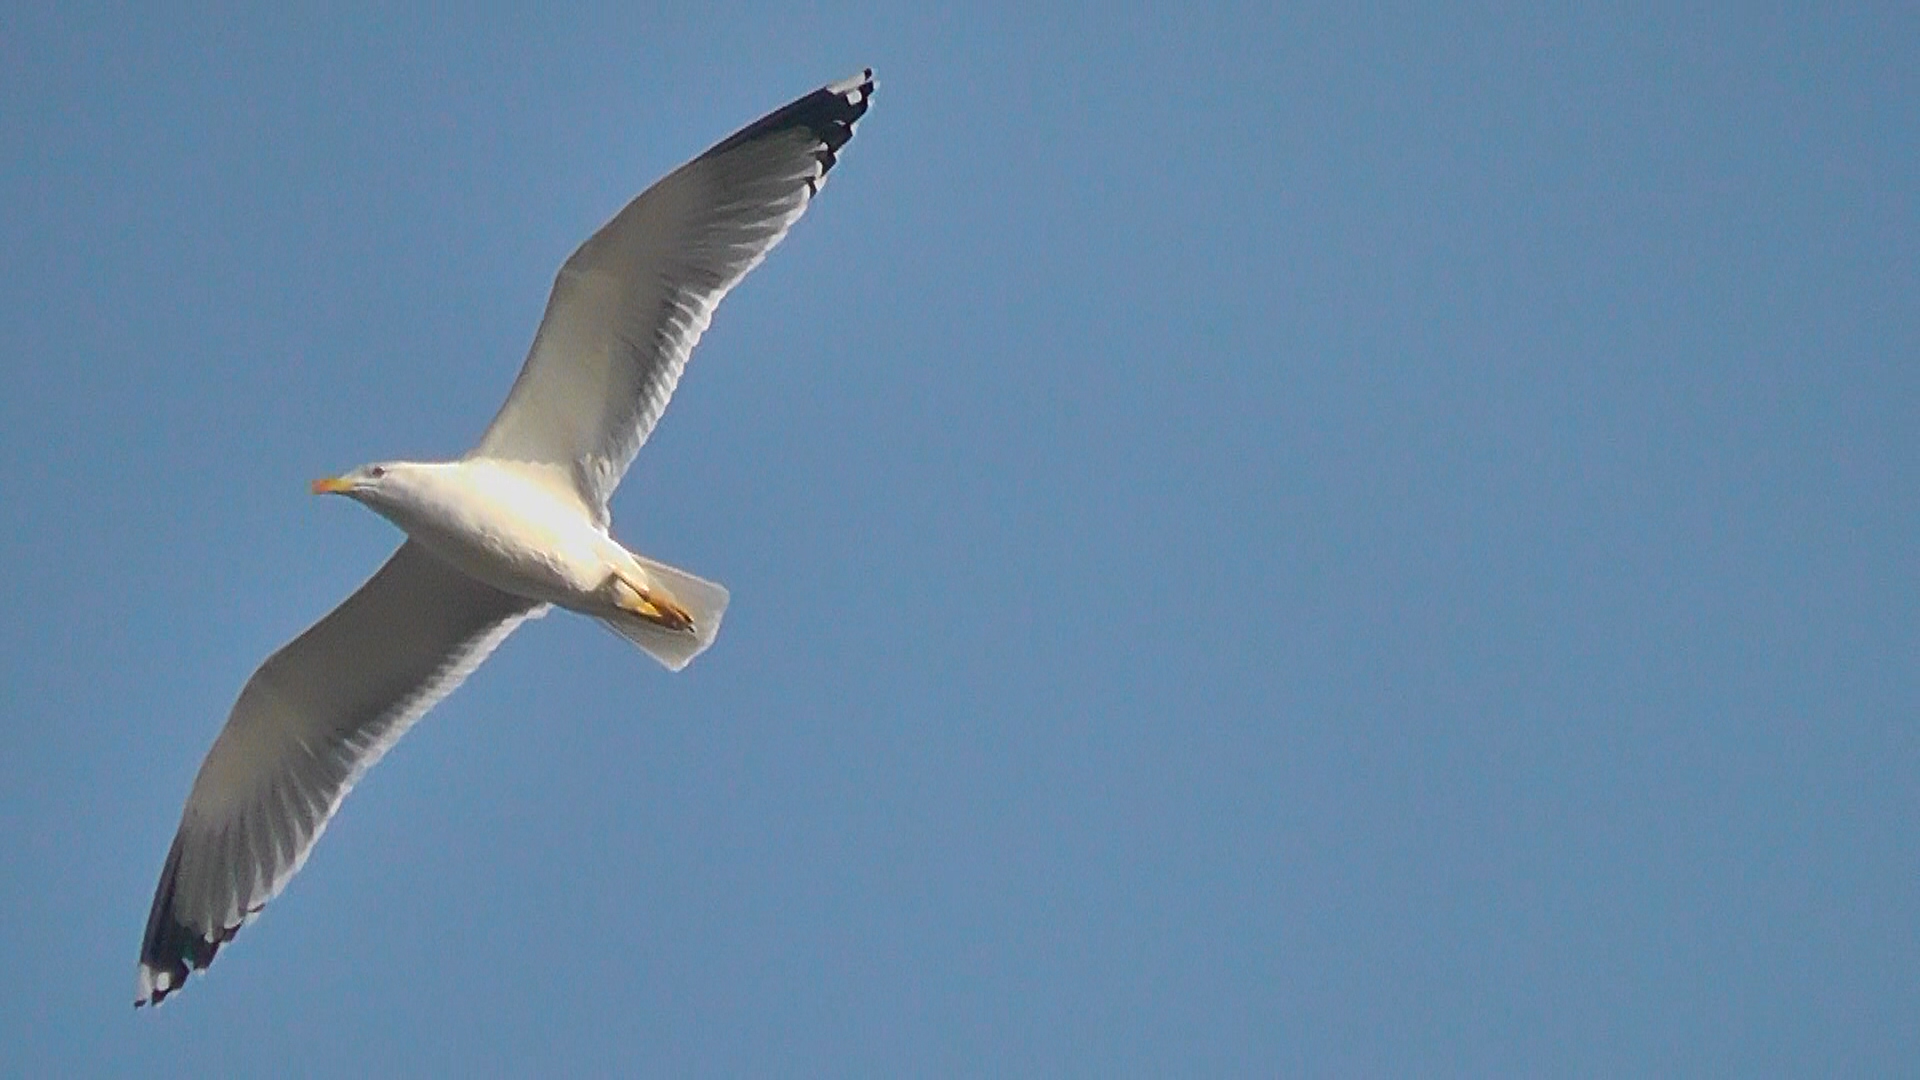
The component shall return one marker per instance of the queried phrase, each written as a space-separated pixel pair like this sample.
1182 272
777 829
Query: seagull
517 526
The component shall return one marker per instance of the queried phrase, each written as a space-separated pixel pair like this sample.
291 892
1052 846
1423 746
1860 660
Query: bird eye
377 471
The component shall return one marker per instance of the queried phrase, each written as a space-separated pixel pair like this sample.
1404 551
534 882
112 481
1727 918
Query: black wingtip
828 114
833 118
171 949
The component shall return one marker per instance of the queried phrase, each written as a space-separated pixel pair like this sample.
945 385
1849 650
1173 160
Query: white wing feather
629 305
309 722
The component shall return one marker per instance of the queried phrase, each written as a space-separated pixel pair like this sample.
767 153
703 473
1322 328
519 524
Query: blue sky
1337 543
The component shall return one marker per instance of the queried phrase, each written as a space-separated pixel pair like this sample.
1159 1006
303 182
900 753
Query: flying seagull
518 525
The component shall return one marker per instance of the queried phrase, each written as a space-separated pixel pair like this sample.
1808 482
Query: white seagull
516 526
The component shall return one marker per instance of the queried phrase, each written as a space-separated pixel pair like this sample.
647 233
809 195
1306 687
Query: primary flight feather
518 525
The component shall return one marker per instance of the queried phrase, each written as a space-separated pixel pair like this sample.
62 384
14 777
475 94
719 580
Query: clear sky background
1339 543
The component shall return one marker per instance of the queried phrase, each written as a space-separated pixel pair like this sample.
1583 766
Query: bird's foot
650 604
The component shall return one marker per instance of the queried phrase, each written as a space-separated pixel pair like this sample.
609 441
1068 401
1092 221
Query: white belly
505 527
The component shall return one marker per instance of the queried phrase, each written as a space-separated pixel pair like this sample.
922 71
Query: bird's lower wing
629 305
314 717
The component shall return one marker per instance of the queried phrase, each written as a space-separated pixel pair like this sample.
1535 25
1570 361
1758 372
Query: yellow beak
333 485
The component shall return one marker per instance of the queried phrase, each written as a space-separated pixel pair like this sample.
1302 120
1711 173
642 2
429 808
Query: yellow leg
654 606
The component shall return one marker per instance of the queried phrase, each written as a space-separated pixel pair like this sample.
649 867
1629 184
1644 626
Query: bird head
361 483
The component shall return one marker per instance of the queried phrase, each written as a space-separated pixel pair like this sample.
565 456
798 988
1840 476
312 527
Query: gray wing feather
309 722
629 305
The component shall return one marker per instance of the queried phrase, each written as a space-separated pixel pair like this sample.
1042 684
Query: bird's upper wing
314 717
629 305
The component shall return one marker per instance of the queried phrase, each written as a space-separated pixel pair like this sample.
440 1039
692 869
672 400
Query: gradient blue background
1348 543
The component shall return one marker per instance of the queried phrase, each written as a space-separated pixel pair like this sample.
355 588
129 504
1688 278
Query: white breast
505 525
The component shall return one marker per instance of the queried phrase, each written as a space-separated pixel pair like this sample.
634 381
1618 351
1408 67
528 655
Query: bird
517 526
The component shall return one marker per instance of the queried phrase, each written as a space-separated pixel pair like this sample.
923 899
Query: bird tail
705 601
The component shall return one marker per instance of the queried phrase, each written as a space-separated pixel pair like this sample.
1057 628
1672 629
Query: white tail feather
703 599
